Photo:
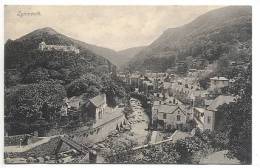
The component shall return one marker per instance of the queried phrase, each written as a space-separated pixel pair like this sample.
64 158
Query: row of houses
174 114
169 111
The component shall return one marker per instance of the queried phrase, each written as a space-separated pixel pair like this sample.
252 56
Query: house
134 80
168 115
111 120
65 107
218 82
206 117
106 119
95 107
122 77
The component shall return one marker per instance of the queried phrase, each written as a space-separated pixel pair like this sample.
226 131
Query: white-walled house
206 117
106 119
96 107
218 82
168 115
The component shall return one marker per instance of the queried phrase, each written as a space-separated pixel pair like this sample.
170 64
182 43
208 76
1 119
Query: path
26 147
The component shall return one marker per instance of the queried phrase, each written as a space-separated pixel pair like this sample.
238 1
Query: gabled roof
169 109
75 101
220 100
98 100
200 110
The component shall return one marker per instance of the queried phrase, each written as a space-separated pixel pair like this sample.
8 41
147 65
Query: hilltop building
44 47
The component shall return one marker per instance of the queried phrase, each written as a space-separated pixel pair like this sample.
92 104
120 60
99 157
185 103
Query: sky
114 27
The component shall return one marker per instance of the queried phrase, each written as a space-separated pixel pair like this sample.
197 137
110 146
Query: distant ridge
228 26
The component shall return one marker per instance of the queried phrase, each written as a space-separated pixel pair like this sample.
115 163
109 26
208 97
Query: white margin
256 69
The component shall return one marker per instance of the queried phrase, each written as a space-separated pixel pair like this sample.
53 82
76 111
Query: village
162 107
128 85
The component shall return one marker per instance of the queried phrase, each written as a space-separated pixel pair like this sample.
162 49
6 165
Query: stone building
218 82
168 115
44 47
206 117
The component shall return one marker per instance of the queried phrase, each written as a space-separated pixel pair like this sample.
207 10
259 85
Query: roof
200 110
167 84
121 75
220 100
76 101
156 103
169 109
219 78
98 100
134 76
208 102
148 83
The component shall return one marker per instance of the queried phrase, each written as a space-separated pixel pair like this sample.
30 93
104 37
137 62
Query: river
140 122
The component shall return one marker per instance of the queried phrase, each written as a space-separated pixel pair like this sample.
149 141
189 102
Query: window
178 118
164 116
209 119
100 114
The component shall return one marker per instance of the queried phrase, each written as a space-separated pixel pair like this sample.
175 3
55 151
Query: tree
159 154
37 75
24 102
189 148
113 88
83 84
238 119
121 150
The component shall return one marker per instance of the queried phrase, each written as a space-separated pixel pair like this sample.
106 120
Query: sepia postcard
128 84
